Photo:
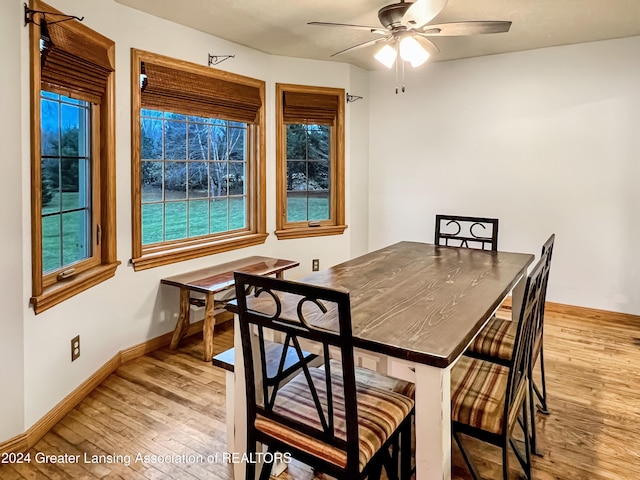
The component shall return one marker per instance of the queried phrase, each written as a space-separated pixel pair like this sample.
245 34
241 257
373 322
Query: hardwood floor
173 404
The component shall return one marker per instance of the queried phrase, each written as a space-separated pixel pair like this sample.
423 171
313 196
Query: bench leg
209 325
183 320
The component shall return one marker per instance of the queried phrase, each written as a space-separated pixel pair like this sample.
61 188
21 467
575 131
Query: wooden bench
215 280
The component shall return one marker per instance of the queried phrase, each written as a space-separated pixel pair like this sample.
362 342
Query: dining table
415 308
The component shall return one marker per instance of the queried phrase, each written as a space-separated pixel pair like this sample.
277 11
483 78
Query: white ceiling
280 26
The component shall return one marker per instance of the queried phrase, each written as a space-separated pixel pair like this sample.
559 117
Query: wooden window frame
155 255
49 290
335 225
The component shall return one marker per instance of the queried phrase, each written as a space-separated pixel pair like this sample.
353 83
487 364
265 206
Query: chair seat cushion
371 378
496 340
380 413
478 391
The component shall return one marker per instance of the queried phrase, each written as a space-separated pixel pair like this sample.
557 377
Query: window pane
150 113
71 100
318 204
318 138
198 141
237 143
318 175
76 227
151 181
75 184
217 181
296 142
198 218
218 139
176 220
51 244
50 185
237 213
46 94
73 137
151 139
175 180
296 175
198 180
296 206
174 116
219 215
50 127
152 223
175 140
235 178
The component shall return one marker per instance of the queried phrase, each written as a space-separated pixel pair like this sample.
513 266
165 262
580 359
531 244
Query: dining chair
469 232
489 400
333 417
496 343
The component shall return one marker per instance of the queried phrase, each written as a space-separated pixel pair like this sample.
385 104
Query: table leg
433 423
182 324
230 387
517 295
209 325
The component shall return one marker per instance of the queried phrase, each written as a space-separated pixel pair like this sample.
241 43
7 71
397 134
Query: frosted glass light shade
386 56
411 51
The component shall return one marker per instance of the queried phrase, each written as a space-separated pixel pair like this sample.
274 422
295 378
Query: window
310 161
198 170
73 163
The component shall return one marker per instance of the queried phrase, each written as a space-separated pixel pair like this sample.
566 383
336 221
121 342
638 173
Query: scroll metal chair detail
468 232
311 417
488 400
496 343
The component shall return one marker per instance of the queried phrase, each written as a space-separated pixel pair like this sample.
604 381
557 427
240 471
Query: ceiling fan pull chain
402 76
397 67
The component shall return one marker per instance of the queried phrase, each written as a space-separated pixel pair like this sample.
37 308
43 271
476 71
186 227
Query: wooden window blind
73 63
309 108
189 93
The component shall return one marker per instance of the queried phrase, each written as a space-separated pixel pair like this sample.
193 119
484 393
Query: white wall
131 307
12 300
545 140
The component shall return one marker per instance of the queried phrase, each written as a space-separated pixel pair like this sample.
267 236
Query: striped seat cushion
380 413
478 392
367 377
496 340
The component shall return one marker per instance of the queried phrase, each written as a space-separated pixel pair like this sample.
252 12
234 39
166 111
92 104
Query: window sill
304 232
65 289
179 253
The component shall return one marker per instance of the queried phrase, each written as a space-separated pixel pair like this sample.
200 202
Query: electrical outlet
75 348
315 264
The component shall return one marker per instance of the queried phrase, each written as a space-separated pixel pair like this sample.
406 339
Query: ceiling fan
403 22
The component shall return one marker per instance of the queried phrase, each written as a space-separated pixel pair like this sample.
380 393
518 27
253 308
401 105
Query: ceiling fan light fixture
411 51
386 56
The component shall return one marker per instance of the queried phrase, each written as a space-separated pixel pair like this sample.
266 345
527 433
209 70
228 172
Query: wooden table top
418 301
220 277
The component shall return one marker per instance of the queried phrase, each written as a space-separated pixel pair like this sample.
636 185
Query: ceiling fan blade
422 12
360 45
464 28
430 46
379 30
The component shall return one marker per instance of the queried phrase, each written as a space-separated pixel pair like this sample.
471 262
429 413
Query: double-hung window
73 162
198 169
310 161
